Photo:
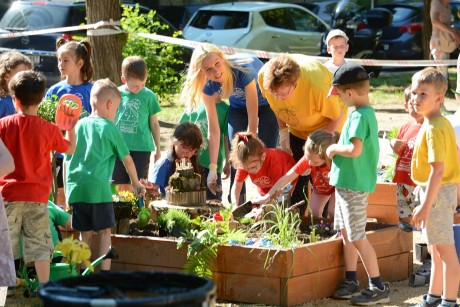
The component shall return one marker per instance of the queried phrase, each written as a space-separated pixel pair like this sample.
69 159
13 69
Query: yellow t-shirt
435 143
307 109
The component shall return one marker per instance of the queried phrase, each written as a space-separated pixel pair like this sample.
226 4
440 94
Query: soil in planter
152 229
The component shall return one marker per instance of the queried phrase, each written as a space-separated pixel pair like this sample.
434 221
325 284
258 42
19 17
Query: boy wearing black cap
356 156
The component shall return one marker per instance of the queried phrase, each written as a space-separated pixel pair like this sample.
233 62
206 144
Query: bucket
130 288
457 239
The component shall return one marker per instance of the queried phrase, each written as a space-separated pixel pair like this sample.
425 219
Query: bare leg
436 284
104 244
317 203
451 270
368 257
350 253
87 237
42 267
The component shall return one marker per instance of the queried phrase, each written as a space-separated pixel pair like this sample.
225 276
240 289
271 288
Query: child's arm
226 170
6 160
131 170
155 129
281 183
236 191
397 145
422 212
351 151
70 135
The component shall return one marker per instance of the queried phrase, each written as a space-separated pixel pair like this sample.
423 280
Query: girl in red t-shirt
263 165
317 164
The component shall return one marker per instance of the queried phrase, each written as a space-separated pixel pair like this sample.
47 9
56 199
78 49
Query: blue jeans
267 132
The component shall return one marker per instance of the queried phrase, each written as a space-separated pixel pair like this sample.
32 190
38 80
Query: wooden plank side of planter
329 254
248 260
320 284
247 288
149 251
383 203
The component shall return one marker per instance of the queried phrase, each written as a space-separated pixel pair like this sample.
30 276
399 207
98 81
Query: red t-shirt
276 165
319 176
407 132
30 140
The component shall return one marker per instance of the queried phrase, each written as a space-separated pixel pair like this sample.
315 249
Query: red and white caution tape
94 29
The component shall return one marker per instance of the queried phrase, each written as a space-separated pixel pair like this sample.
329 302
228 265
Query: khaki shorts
30 219
350 212
439 227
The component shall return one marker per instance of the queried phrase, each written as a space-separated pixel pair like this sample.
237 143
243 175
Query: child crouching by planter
315 163
263 165
186 142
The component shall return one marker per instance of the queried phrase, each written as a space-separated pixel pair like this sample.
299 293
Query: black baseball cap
348 73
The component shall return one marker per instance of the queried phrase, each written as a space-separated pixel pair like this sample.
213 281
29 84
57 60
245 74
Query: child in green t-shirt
137 120
89 169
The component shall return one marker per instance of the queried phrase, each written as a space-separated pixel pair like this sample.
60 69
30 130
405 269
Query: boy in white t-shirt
337 47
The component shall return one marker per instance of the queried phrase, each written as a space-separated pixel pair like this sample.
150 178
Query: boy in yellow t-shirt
435 169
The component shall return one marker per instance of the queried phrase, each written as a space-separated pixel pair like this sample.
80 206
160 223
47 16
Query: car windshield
220 20
402 14
22 17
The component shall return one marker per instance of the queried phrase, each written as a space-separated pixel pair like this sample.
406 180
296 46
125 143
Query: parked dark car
403 38
36 15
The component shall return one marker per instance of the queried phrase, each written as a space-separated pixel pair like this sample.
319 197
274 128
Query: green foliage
205 240
283 226
163 60
47 108
388 171
173 217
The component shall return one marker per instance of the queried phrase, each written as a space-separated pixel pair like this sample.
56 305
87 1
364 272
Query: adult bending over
211 73
296 88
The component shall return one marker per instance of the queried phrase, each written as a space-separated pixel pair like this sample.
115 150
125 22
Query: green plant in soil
204 240
173 217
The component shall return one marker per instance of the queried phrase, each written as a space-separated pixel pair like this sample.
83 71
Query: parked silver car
268 26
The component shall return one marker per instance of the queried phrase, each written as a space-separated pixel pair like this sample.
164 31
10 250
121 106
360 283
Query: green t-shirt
360 173
199 118
90 168
133 118
57 216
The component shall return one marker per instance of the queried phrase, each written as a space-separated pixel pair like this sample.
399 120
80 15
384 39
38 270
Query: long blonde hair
196 78
319 141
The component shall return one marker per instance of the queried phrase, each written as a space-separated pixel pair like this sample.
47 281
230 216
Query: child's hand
151 188
226 170
157 155
140 190
420 216
398 145
330 151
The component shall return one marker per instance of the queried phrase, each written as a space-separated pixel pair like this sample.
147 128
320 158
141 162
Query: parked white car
268 26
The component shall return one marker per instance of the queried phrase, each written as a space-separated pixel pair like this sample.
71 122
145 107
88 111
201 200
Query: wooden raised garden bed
296 276
383 204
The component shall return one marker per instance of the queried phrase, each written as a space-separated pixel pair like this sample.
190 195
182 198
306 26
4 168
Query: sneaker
446 305
424 303
372 296
346 290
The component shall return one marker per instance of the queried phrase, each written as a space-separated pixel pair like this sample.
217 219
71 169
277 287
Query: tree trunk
427 28
106 55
